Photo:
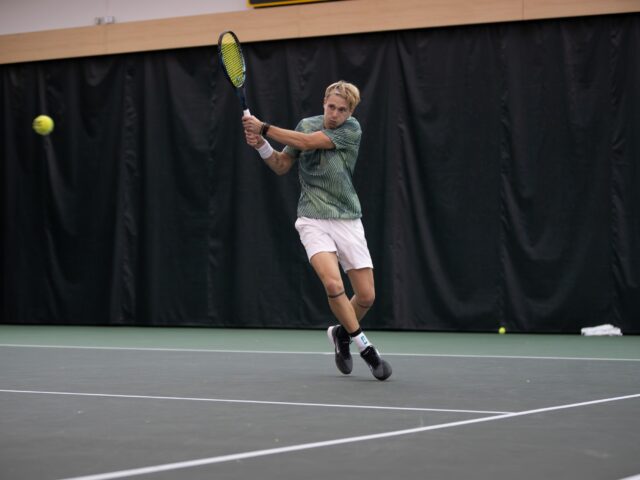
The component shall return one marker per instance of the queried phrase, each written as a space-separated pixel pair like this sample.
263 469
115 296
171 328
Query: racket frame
240 90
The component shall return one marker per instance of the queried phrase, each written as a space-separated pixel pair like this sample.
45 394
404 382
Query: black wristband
264 129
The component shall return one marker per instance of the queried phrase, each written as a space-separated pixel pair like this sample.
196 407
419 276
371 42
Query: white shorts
343 237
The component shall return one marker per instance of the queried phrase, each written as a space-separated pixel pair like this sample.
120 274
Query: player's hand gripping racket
232 61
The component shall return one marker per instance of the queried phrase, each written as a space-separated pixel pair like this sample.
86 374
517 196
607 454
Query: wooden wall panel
382 15
294 21
538 9
64 43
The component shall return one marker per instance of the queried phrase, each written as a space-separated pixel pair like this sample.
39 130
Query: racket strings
232 60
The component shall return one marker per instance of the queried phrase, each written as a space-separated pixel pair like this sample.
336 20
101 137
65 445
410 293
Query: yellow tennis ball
502 330
43 125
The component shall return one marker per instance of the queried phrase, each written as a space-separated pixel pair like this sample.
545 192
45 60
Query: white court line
256 402
329 443
163 349
284 352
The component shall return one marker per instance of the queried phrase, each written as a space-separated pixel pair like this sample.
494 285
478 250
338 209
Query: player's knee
366 299
334 287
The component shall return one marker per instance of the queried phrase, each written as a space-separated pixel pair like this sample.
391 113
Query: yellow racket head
231 58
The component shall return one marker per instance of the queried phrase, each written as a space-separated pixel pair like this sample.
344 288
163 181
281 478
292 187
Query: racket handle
246 113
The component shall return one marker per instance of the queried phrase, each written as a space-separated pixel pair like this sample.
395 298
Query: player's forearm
279 162
292 138
297 140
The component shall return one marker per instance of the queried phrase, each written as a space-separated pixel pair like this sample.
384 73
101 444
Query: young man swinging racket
329 213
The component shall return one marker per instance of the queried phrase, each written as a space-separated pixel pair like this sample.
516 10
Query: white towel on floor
601 330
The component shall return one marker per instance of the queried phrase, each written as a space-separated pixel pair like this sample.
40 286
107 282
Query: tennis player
329 214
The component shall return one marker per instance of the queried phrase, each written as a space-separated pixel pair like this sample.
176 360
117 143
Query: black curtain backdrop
499 174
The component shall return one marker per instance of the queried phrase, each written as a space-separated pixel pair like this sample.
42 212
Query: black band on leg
336 295
364 306
356 333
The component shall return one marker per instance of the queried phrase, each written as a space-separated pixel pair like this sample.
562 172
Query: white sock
361 341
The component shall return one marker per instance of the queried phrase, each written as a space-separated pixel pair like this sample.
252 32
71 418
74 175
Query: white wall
21 16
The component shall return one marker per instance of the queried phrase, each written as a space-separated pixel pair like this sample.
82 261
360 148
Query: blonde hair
346 90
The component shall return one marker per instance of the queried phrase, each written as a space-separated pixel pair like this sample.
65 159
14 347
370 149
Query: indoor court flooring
196 403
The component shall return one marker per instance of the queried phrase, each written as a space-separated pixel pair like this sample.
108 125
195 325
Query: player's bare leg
364 291
349 312
326 266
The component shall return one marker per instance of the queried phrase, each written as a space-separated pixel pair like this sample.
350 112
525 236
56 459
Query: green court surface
96 403
429 343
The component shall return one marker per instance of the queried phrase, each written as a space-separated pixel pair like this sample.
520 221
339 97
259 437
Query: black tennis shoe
380 368
340 340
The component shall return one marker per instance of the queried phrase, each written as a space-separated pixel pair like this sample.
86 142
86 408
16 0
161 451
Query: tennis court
166 403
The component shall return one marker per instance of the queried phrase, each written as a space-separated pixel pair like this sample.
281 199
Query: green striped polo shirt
326 175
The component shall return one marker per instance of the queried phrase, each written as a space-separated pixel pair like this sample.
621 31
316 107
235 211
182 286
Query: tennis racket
232 61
